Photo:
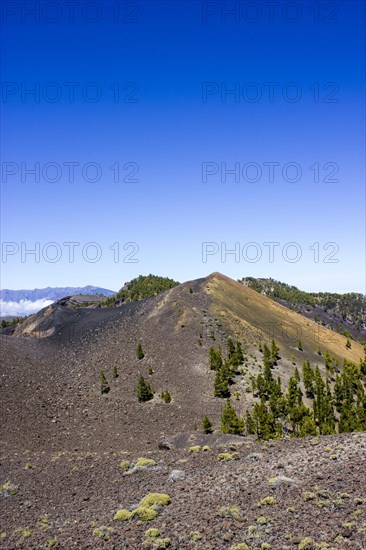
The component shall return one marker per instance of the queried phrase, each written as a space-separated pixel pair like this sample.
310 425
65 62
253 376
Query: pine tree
277 401
207 425
299 345
231 423
265 425
267 356
104 386
328 361
348 344
230 348
274 351
221 383
363 364
115 372
139 352
308 378
338 393
239 354
165 395
308 426
215 358
249 424
143 390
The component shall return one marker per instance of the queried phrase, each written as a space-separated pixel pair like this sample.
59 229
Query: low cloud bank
22 308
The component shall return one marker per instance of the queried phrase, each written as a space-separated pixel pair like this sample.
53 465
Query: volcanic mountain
51 364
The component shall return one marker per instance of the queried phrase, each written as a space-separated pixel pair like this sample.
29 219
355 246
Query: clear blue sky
173 62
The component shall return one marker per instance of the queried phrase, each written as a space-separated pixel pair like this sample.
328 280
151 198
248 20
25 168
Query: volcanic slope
51 397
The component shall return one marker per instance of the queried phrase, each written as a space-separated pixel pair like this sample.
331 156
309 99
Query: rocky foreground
201 492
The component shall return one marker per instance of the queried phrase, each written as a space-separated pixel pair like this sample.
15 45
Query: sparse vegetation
225 457
166 397
207 425
104 386
144 462
139 351
125 464
231 511
122 515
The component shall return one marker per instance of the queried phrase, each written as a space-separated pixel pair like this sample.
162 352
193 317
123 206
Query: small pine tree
250 424
139 352
348 344
230 421
297 374
207 425
104 386
308 377
190 290
143 390
299 345
274 351
115 372
165 395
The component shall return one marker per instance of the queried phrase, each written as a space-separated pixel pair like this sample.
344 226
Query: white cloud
24 307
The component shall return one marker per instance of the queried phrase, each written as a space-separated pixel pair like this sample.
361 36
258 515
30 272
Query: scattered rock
176 475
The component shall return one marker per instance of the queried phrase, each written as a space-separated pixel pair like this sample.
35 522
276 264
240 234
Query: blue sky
149 96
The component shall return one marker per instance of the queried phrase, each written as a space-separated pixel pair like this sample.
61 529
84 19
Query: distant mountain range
50 293
18 303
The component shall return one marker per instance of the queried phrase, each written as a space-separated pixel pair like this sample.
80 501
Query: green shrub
262 520
124 464
224 457
152 533
104 386
7 489
266 501
122 515
145 513
306 543
162 543
231 511
145 462
153 499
